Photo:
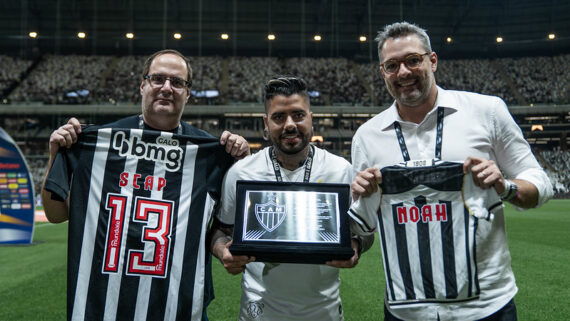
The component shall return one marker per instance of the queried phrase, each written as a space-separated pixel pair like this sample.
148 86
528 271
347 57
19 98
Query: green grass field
32 278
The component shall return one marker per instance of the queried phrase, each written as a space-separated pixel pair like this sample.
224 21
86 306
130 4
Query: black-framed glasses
411 61
158 80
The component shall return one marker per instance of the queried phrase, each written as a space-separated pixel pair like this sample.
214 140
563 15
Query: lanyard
277 168
141 126
438 136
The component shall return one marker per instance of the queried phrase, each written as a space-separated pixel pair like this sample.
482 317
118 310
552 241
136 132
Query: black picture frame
278 233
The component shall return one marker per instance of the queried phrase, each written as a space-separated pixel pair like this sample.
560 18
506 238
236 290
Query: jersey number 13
155 217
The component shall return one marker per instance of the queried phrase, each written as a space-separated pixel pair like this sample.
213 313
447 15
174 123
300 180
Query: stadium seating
239 80
541 80
55 76
559 172
12 71
338 81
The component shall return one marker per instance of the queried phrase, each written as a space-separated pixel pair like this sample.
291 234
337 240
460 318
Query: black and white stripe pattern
176 293
427 236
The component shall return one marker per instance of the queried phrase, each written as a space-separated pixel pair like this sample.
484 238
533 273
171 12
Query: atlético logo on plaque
270 215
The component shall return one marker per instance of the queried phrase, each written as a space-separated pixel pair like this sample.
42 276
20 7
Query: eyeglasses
412 61
158 80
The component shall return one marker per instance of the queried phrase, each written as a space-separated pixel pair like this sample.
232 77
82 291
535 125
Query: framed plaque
286 222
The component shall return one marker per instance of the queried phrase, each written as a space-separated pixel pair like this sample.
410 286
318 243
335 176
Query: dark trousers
506 313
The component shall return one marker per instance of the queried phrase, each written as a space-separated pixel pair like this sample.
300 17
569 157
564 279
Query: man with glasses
138 194
434 189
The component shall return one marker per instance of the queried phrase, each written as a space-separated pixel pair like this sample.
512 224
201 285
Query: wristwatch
511 191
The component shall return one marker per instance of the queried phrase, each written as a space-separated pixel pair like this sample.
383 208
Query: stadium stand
121 81
245 77
476 75
238 80
540 79
334 78
558 168
12 71
338 81
56 76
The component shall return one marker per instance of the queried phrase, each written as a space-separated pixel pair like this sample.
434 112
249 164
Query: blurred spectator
542 80
371 74
475 75
117 80
247 76
332 77
56 75
11 71
560 161
122 82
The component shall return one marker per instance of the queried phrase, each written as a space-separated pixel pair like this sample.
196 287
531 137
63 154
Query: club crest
270 215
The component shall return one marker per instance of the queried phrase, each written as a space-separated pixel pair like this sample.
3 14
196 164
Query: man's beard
291 150
417 96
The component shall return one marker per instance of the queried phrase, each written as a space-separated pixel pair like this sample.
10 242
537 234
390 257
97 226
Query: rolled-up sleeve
538 178
514 155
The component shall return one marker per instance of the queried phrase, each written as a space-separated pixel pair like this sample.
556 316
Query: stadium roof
472 25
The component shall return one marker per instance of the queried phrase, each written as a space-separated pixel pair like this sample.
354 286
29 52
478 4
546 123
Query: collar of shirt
444 99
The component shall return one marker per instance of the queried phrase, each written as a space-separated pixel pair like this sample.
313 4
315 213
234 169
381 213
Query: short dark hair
401 29
286 86
150 59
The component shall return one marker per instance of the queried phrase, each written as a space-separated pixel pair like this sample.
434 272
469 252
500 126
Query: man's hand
350 263
365 183
64 136
235 144
486 174
233 264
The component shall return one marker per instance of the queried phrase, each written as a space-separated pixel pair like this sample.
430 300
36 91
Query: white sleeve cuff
540 180
364 214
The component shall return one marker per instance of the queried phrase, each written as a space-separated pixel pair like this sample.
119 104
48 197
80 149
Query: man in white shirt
439 216
285 291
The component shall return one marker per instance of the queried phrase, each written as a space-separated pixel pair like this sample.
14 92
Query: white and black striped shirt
140 204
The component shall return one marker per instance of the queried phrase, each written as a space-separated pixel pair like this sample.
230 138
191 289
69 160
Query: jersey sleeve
364 214
58 181
226 212
219 166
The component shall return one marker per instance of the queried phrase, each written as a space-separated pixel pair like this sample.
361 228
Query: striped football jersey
140 204
427 223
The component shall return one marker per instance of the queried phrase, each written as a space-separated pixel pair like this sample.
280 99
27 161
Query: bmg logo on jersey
166 149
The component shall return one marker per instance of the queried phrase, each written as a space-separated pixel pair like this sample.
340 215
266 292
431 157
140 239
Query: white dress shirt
474 125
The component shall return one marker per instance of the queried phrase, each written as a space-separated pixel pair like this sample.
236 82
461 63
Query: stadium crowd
332 81
12 71
558 169
56 76
246 75
542 80
476 75
122 85
338 81
334 78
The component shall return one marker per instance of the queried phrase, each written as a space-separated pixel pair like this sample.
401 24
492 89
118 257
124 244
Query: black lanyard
141 125
438 136
277 168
